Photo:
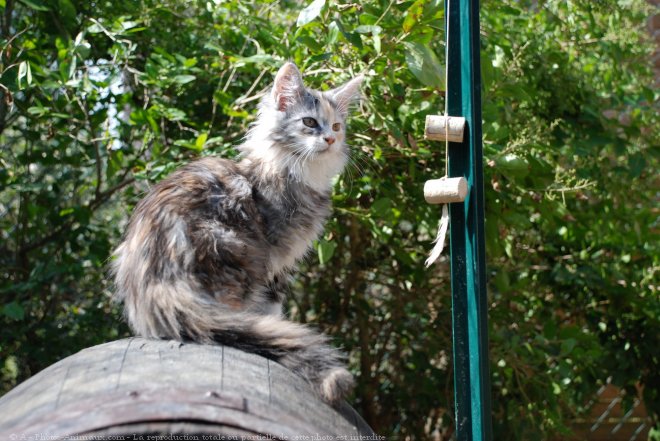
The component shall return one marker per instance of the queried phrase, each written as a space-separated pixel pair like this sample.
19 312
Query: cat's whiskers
305 155
291 161
358 162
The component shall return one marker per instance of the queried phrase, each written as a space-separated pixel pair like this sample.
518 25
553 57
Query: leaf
310 42
174 114
60 115
333 33
312 11
214 141
187 144
67 12
201 140
37 5
413 14
67 69
258 59
184 79
28 75
512 165
135 30
95 28
234 113
377 43
517 91
81 46
567 346
381 208
325 249
14 311
37 110
320 57
424 64
351 37
125 25
636 165
115 162
368 29
66 211
190 62
72 67
22 71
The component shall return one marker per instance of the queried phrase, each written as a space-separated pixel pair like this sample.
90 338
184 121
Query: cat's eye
310 122
336 127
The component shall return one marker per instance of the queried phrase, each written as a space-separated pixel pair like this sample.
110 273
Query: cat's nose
329 139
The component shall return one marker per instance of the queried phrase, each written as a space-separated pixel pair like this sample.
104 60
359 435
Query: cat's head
301 130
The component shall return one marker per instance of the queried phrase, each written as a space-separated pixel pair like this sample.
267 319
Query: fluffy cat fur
207 251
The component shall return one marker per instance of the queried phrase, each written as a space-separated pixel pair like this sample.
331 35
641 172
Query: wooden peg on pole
445 190
444 128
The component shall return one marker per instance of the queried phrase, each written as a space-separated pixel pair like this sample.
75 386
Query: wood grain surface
139 386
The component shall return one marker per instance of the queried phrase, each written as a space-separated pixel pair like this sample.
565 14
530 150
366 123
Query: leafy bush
98 100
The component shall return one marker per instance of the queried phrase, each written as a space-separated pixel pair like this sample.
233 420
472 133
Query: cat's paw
335 384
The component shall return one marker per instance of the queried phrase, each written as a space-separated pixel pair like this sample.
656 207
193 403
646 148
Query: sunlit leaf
184 79
312 11
258 59
22 71
174 114
185 143
37 110
368 29
513 165
424 64
413 14
333 33
325 250
201 140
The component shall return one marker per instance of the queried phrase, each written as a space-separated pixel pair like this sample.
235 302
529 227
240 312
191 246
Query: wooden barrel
136 387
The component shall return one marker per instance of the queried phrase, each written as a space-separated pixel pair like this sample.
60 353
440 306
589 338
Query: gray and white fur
208 250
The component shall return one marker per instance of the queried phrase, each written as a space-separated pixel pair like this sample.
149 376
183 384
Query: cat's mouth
325 147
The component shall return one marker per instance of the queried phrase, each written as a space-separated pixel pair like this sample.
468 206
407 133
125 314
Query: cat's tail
303 350
184 315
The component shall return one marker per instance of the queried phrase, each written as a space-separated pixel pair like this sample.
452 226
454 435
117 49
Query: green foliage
99 100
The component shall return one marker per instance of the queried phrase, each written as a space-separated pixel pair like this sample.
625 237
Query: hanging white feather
440 238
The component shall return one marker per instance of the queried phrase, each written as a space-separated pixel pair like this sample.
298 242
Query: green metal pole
468 261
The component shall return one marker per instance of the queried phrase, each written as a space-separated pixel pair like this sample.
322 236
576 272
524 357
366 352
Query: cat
208 251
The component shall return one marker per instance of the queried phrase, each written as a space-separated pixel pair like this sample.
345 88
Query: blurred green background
100 99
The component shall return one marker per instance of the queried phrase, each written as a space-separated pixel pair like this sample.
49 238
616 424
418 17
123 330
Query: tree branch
97 149
5 95
5 24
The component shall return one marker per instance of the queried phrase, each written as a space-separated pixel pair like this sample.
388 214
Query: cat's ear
288 86
346 94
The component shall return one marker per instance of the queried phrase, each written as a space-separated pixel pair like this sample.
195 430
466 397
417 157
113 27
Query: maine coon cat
207 251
